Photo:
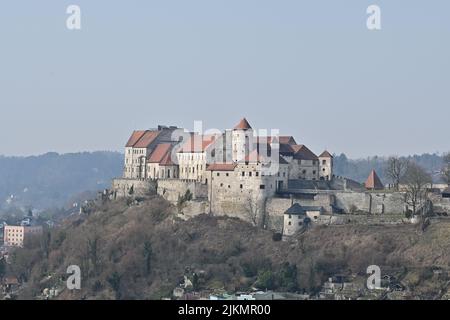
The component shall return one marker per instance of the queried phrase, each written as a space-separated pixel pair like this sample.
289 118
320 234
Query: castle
168 153
266 179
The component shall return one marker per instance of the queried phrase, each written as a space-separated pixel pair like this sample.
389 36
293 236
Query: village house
16 235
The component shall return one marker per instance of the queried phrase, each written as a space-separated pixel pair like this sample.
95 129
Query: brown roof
301 152
167 160
160 152
289 140
10 280
197 143
221 167
325 154
243 125
373 181
147 139
135 136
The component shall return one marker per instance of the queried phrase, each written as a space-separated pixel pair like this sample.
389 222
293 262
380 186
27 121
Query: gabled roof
301 152
135 136
298 209
197 143
373 181
242 125
325 154
160 152
147 139
221 167
295 209
288 140
142 138
167 160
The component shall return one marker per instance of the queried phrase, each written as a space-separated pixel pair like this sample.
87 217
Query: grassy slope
223 248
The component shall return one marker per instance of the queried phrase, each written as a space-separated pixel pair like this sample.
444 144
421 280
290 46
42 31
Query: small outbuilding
373 182
298 217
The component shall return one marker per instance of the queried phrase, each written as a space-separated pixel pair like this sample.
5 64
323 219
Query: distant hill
52 179
359 169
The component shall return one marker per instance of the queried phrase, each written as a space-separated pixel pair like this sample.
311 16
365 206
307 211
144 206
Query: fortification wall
122 187
371 202
191 209
172 189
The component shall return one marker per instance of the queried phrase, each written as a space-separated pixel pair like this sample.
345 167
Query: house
10 284
15 236
298 217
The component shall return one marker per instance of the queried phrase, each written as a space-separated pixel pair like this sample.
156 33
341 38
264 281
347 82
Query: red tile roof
243 125
167 160
325 154
289 140
221 167
135 136
373 181
197 143
160 152
142 138
301 152
147 139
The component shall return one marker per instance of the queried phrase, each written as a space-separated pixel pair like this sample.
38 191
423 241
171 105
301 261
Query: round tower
242 137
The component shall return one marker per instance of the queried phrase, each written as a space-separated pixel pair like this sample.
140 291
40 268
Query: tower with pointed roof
373 182
325 166
241 140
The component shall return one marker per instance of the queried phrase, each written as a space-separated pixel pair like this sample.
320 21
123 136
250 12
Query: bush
266 280
287 276
277 236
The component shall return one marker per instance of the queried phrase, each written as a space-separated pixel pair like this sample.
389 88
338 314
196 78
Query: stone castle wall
172 189
122 187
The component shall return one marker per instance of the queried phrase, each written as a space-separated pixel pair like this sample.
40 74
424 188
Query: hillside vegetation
129 251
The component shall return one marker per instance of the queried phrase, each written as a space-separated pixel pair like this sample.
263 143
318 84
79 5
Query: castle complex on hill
269 180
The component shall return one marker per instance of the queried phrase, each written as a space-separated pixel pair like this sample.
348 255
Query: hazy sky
310 68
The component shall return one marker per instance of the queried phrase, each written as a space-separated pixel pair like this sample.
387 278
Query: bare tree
446 168
416 180
395 170
252 208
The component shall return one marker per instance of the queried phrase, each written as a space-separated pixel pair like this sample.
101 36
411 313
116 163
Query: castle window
314 171
257 174
324 161
289 223
243 173
227 174
218 174
284 174
261 186
250 174
304 171
229 186
241 186
323 169
221 184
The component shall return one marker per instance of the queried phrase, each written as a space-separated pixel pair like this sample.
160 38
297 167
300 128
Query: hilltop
142 251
